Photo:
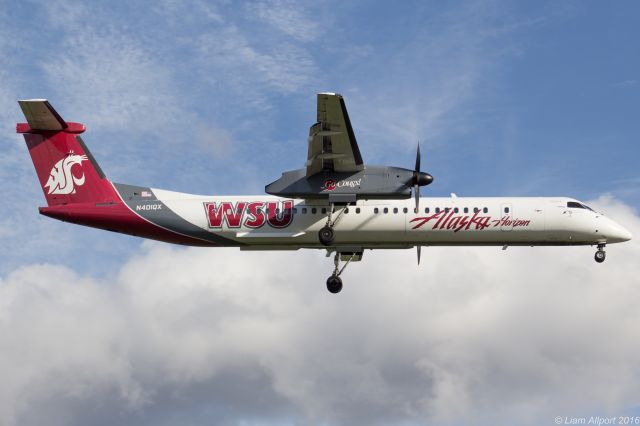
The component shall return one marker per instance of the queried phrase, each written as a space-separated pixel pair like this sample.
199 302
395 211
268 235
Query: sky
505 99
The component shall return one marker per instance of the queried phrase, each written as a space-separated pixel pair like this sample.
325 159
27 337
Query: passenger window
446 209
395 210
386 210
324 210
304 210
426 209
295 210
405 210
476 210
455 210
376 210
466 209
346 210
506 209
437 209
357 210
314 210
486 210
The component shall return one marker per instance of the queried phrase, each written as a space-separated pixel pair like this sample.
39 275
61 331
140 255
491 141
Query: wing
332 144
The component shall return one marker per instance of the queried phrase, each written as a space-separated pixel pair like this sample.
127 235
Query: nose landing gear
600 255
334 284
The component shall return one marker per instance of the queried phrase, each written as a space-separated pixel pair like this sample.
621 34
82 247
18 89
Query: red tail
67 171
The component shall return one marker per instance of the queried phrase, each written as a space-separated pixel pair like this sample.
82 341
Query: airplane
336 202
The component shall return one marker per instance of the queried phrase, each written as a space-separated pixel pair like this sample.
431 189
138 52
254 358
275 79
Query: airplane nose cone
625 235
618 234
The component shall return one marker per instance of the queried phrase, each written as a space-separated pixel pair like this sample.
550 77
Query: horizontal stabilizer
41 115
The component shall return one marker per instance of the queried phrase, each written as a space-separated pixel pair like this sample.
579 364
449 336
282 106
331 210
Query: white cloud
288 17
111 82
626 84
245 59
473 336
180 12
253 73
215 141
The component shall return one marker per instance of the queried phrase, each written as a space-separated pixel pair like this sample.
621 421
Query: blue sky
505 98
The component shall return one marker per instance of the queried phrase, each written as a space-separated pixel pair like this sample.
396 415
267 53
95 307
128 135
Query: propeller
419 179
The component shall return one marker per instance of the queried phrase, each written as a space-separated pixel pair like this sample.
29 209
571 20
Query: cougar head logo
61 180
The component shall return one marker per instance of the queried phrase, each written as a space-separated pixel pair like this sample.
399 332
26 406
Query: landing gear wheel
600 256
326 236
334 284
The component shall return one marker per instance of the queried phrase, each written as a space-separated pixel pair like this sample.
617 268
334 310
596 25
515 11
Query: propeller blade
419 179
416 174
419 250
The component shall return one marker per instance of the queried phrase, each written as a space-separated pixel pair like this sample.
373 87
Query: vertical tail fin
67 171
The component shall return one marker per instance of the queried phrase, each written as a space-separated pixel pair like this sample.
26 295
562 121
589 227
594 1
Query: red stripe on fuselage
117 217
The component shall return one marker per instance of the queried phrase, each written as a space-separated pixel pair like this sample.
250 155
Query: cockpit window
576 205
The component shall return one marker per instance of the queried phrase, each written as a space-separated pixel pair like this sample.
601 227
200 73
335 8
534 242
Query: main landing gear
334 282
601 255
326 234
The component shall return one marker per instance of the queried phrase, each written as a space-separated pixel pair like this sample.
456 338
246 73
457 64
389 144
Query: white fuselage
293 224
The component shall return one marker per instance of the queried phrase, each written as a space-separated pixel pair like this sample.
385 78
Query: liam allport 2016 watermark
597 420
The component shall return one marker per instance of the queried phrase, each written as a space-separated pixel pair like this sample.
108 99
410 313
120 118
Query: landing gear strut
326 234
334 282
601 255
